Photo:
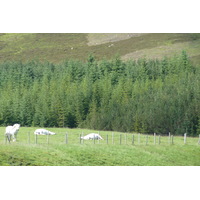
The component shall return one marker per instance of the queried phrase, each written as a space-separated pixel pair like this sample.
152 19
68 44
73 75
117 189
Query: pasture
117 149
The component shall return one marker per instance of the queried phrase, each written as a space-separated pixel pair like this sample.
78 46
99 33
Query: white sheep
11 131
43 132
92 136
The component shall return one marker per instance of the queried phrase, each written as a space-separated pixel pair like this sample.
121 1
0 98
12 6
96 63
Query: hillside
56 47
103 94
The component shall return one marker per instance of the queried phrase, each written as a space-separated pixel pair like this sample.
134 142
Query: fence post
36 139
133 139
47 138
138 138
82 139
66 138
185 138
147 139
169 138
107 138
98 140
172 139
159 139
112 138
154 138
29 137
199 139
120 139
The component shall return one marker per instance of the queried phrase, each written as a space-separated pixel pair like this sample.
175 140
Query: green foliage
144 96
198 126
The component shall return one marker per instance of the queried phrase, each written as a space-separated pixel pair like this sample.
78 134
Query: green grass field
54 151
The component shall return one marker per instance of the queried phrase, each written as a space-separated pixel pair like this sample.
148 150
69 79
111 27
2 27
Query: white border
89 16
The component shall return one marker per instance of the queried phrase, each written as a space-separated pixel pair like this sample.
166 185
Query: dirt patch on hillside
102 38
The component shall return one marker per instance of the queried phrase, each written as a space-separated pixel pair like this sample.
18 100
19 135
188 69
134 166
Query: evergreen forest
144 95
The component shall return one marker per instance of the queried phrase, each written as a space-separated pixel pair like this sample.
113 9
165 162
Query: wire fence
108 139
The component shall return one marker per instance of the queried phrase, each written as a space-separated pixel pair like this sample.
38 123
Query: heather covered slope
56 47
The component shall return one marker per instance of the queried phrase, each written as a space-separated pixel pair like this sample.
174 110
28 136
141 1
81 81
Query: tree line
137 95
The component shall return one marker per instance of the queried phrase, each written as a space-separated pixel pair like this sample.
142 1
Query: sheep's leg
8 136
5 139
14 138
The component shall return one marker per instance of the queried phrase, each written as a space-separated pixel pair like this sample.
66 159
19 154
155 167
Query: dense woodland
144 96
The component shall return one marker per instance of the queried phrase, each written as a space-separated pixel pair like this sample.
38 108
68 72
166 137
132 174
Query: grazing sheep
43 132
92 136
11 131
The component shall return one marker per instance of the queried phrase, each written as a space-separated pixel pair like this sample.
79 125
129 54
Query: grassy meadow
54 151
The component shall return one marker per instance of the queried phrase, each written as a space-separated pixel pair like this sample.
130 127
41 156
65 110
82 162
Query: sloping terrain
191 47
102 38
56 47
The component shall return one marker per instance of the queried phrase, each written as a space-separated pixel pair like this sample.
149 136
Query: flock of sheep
11 132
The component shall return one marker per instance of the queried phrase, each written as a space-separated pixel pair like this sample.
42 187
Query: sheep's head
16 126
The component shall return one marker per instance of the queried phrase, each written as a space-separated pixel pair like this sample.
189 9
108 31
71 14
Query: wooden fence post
133 139
147 139
172 139
185 138
169 138
120 139
98 140
66 138
47 138
107 138
29 137
125 138
138 138
154 138
159 139
36 139
80 138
